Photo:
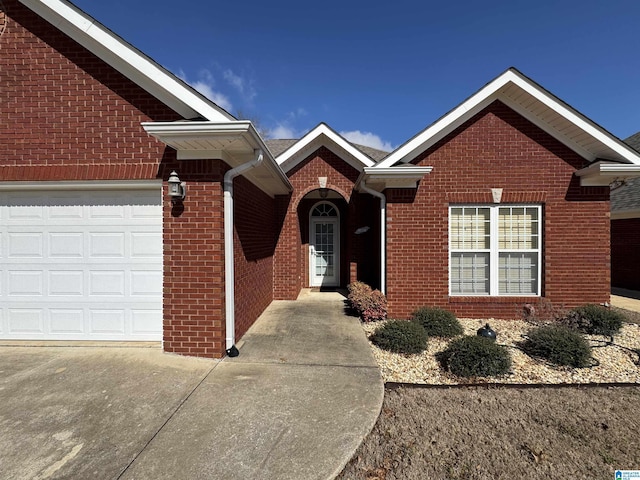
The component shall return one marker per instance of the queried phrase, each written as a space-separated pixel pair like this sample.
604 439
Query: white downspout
383 233
229 274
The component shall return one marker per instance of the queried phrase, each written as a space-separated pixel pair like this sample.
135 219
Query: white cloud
242 85
368 139
205 84
283 131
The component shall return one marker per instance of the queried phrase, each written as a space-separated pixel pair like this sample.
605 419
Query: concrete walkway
295 404
627 299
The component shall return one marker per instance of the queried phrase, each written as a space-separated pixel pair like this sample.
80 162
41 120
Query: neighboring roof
277 146
634 141
539 106
320 136
625 201
128 60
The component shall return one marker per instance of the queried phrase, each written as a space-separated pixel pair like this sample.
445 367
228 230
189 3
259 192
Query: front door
324 255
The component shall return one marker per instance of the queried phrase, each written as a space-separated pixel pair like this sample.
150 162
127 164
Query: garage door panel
66 244
66 321
81 265
26 320
108 321
110 283
143 322
25 283
26 244
106 245
67 283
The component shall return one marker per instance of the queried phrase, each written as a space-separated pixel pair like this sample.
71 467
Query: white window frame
494 251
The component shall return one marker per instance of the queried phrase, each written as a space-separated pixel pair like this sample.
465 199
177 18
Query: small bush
358 293
437 322
400 336
594 320
371 305
474 356
375 307
558 344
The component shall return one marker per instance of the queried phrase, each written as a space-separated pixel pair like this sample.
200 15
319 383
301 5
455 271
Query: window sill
494 299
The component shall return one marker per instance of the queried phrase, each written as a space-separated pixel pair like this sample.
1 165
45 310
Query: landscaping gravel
614 364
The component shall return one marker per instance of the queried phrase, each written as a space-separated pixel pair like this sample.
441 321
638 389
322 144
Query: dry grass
501 433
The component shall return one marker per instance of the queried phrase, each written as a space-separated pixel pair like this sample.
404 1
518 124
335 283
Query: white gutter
229 274
383 233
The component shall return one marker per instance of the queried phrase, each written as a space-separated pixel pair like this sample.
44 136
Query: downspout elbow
229 274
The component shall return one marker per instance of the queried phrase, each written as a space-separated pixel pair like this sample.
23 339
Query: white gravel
616 364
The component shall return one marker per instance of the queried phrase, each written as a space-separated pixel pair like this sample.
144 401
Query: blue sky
380 72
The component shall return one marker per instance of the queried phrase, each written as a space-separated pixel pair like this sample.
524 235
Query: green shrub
558 344
474 356
437 322
400 336
594 320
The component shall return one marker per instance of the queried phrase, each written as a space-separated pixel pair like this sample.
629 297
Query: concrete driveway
86 412
295 404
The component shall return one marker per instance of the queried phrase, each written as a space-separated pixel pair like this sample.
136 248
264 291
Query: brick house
625 230
502 201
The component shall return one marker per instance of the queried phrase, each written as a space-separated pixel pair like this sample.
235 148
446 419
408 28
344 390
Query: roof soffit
532 102
233 142
128 60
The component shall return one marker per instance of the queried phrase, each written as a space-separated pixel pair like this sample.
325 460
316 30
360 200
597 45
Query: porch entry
324 246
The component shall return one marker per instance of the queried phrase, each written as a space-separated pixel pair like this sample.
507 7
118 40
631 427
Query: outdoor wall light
177 189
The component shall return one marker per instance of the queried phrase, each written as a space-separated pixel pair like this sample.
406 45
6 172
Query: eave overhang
536 104
401 176
233 142
606 173
128 60
323 136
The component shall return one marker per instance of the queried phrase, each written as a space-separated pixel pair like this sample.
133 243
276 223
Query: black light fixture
324 192
177 189
488 333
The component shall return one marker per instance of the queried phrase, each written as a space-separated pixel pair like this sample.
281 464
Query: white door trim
334 280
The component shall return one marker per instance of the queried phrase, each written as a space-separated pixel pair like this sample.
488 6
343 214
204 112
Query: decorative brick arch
311 188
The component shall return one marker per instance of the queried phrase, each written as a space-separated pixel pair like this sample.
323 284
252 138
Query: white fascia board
625 214
602 173
82 185
392 177
290 158
129 61
491 92
171 132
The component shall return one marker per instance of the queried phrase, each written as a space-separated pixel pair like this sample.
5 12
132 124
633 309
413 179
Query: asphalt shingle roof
277 146
628 197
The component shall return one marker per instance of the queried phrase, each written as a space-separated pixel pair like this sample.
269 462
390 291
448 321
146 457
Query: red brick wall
290 261
194 319
498 149
625 253
65 114
254 244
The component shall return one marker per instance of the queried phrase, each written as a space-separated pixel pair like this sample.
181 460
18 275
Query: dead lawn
503 432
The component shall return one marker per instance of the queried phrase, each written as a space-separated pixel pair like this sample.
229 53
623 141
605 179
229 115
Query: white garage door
81 265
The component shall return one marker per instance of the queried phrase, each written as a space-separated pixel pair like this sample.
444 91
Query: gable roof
279 145
128 60
539 106
320 136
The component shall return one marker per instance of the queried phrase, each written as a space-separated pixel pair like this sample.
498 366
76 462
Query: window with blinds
494 250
